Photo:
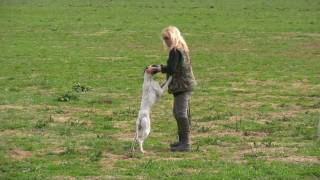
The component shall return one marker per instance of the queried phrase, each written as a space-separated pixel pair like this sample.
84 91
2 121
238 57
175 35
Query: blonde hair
174 34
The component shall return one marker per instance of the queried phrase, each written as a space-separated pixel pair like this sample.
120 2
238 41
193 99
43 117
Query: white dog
151 92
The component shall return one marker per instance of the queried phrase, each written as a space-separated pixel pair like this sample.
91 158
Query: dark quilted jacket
179 66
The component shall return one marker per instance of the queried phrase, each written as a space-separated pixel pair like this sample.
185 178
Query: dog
151 93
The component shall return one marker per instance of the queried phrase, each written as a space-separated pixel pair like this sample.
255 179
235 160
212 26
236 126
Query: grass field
71 75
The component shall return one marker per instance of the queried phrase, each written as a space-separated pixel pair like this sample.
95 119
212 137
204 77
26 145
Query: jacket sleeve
175 57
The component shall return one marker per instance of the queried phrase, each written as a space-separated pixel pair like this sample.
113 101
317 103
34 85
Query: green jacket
179 67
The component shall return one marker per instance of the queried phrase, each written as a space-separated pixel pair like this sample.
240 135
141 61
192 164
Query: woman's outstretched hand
153 70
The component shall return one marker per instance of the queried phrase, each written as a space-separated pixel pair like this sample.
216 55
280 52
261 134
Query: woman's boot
184 144
179 135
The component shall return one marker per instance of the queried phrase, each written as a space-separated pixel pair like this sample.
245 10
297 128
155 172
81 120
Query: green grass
71 74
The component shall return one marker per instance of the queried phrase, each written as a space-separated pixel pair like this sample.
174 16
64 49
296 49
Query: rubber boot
179 135
178 142
184 144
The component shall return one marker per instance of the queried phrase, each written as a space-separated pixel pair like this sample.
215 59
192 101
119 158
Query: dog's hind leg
141 146
133 142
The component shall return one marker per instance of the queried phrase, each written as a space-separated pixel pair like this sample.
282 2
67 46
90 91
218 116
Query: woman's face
167 40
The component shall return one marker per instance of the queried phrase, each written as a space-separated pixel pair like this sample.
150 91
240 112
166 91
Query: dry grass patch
209 124
123 125
124 136
108 159
255 134
253 82
20 133
112 58
274 152
60 118
229 133
63 178
8 106
250 105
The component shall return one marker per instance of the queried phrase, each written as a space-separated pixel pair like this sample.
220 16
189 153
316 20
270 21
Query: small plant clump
77 87
68 97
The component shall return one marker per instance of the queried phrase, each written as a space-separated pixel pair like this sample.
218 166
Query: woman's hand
153 70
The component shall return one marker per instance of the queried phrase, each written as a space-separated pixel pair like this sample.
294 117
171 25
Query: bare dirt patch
123 125
63 178
20 154
191 171
112 58
98 33
108 159
253 82
255 134
250 105
21 133
17 107
235 118
59 151
284 115
209 124
296 159
273 153
229 133
60 118
124 136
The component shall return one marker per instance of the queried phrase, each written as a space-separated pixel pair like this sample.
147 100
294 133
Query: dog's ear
145 69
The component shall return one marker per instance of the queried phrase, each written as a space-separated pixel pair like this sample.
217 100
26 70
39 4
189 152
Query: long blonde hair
174 34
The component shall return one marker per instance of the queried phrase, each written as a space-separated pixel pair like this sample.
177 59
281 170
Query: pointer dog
151 93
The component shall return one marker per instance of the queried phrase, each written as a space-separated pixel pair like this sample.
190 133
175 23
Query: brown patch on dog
20 154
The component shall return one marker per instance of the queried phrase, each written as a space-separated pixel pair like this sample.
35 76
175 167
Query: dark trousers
181 111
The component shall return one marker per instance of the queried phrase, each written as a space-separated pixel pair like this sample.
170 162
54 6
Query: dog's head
153 72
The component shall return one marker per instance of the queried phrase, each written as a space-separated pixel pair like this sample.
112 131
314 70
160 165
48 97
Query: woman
179 67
